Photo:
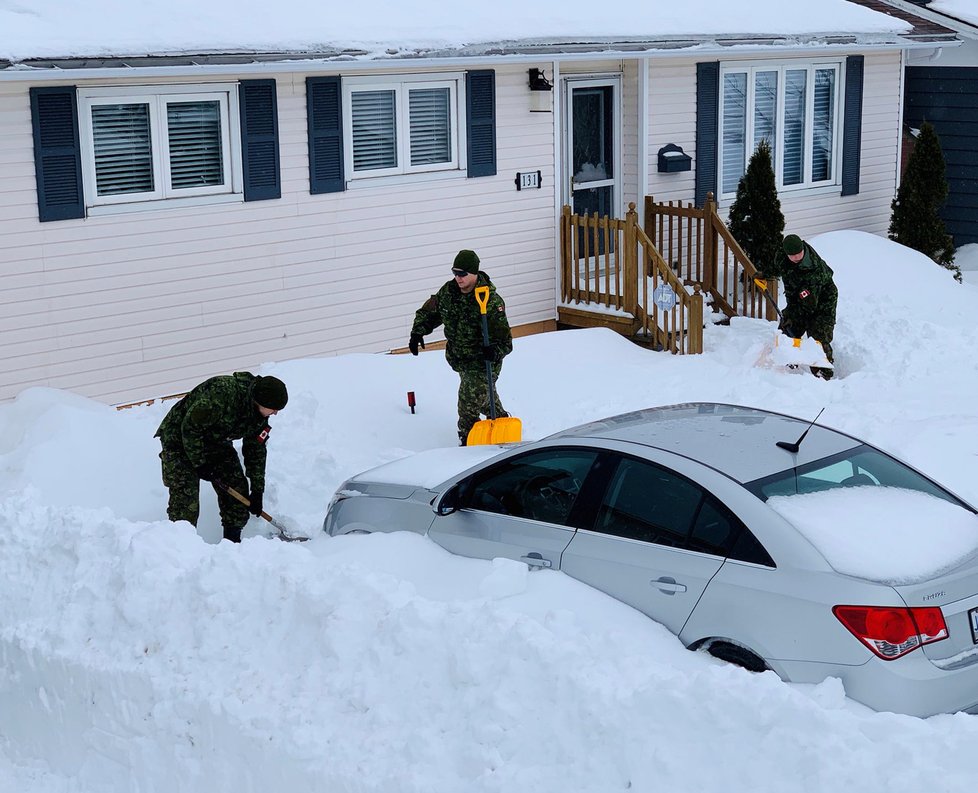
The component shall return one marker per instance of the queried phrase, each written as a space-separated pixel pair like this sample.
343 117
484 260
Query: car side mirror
448 502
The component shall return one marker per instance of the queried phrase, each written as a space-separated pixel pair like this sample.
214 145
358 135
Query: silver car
666 510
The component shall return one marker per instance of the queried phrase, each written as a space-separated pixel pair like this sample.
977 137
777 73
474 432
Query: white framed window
402 125
159 143
796 107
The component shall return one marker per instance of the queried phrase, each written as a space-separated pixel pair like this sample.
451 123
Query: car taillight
891 632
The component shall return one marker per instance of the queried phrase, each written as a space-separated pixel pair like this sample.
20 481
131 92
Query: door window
648 503
541 486
644 502
593 143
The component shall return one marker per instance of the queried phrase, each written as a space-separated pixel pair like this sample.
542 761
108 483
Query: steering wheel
540 500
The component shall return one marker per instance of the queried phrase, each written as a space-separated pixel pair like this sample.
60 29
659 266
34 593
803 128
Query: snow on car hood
885 534
429 468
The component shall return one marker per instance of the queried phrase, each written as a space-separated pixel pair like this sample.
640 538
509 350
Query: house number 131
528 179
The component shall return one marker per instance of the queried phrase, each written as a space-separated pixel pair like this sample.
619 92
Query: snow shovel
492 430
801 358
283 533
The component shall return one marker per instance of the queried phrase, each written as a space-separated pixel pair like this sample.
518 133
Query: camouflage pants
473 397
183 483
820 327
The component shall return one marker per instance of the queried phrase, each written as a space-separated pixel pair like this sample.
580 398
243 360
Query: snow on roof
963 10
111 28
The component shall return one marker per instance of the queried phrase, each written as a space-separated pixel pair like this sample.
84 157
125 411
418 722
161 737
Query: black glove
416 340
205 473
490 353
256 498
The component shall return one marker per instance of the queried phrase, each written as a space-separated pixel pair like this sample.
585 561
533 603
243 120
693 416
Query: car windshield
860 466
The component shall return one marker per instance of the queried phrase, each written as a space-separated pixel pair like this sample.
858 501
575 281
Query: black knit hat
793 244
270 392
468 261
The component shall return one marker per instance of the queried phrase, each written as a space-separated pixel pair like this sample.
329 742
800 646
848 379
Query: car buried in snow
766 540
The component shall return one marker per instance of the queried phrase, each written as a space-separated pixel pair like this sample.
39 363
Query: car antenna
794 447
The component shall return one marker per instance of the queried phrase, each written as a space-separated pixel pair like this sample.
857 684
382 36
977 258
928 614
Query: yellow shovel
492 430
824 364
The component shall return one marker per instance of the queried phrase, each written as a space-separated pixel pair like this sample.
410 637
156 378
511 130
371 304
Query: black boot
232 534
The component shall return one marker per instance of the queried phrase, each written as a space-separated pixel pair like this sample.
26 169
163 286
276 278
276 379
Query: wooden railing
701 250
614 264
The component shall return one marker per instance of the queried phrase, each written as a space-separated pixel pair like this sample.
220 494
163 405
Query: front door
592 171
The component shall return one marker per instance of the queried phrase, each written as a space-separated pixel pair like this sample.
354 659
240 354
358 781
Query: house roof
66 34
955 11
924 29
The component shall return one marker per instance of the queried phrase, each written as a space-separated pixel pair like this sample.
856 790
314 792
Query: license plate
973 620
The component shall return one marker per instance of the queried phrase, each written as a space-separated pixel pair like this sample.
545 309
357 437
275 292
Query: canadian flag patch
803 294
263 435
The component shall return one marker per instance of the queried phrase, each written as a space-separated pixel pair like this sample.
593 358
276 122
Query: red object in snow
411 401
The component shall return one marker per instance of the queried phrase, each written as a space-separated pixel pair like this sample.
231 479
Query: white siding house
150 237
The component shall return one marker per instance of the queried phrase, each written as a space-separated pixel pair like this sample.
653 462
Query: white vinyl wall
125 307
132 306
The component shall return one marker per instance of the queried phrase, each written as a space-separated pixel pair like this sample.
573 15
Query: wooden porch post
566 255
709 244
631 274
649 221
695 328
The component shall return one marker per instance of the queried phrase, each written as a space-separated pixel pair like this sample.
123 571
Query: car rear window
862 466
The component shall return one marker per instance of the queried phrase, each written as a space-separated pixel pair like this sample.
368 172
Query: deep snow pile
136 654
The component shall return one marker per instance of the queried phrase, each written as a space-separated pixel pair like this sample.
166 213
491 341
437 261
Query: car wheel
735 654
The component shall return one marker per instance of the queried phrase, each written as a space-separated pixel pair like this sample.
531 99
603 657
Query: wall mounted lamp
541 92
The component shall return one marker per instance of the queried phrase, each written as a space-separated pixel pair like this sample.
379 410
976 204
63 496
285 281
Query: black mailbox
673 159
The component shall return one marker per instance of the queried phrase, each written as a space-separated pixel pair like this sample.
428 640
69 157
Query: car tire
737 655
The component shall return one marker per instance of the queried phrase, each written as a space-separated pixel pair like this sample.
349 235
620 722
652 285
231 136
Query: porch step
627 326
582 318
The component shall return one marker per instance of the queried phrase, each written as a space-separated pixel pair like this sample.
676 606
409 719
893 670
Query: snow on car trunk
885 534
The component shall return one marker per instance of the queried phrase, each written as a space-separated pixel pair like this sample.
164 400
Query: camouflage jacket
809 289
460 314
215 413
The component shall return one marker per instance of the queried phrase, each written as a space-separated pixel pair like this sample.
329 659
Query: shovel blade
488 431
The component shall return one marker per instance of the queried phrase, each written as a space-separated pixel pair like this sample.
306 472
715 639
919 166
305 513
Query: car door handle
668 585
536 560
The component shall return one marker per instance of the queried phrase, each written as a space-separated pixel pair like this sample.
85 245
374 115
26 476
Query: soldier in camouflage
810 294
196 436
455 306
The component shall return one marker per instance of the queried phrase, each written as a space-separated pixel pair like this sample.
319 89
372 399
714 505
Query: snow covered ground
140 655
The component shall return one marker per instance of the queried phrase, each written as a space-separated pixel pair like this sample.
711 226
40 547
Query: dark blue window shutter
259 140
57 153
324 117
707 128
852 125
480 110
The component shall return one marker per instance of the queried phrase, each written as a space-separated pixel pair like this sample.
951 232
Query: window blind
766 110
824 125
793 168
194 137
374 130
430 122
123 149
734 129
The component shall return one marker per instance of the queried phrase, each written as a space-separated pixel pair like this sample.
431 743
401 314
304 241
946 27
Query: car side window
648 503
541 485
714 530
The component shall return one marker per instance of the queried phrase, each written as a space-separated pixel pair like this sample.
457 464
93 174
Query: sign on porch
664 296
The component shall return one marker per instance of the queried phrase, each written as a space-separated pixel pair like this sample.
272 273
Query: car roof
736 440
